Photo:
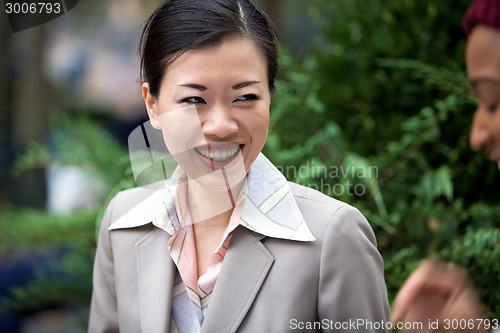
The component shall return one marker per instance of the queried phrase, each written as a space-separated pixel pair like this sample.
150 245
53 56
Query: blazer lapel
156 273
245 267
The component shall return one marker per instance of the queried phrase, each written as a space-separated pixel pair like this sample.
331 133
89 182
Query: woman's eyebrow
203 88
194 86
244 84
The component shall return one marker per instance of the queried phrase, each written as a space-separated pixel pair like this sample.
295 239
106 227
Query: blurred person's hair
485 12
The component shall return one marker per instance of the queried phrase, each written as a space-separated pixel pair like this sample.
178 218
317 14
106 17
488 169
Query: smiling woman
226 244
232 104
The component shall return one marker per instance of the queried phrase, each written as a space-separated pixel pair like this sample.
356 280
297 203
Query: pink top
182 249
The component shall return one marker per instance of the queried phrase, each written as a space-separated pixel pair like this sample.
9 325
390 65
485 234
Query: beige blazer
335 283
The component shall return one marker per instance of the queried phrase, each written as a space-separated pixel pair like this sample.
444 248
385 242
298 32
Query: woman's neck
212 206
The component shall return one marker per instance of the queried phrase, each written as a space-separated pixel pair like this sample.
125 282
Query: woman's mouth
218 153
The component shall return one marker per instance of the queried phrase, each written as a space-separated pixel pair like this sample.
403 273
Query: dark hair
486 12
178 26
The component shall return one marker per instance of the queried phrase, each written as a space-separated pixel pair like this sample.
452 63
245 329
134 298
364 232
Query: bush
383 100
58 251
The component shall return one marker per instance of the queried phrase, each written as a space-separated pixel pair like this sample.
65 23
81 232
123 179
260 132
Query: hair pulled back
178 26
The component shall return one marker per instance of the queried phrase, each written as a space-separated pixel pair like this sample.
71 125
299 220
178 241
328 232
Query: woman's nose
480 134
219 122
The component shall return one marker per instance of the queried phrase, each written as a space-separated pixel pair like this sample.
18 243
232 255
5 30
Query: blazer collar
238 284
269 207
234 293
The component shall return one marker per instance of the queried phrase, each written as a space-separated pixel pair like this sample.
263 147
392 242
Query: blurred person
226 243
439 291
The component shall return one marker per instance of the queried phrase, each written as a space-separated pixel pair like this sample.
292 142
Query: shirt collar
269 207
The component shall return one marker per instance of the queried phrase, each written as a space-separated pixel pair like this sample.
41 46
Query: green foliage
67 281
479 250
27 233
384 87
32 230
77 140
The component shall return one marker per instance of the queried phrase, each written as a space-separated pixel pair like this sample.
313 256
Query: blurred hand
438 292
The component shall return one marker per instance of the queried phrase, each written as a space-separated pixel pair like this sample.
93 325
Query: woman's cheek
181 129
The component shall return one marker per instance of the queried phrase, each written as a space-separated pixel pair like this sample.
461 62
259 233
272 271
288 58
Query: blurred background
364 85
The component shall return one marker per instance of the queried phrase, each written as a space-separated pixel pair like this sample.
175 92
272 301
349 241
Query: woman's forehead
233 56
483 53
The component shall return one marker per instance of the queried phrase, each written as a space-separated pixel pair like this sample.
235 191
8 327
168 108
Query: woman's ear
151 105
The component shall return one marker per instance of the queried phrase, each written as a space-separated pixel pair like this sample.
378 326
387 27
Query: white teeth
219 156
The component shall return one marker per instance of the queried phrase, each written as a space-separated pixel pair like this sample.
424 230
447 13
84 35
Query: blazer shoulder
321 211
124 200
308 196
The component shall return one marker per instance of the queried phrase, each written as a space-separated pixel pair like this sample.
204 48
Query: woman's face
483 71
213 108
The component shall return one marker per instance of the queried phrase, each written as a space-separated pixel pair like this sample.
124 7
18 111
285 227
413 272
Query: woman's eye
247 97
193 100
493 107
